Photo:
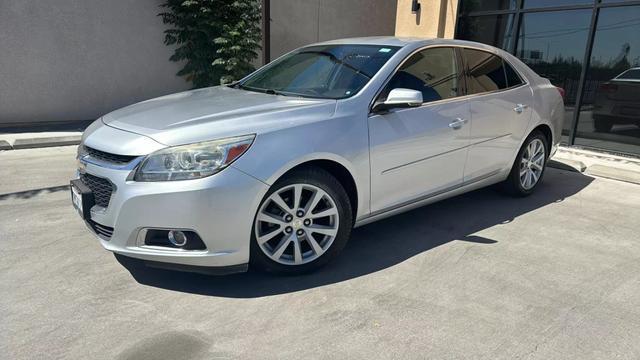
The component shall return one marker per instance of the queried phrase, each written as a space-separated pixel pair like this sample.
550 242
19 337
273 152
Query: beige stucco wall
295 23
436 18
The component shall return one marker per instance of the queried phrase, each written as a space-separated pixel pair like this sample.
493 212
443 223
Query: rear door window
513 79
486 72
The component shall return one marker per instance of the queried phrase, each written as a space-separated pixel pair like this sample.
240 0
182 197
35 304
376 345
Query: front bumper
219 208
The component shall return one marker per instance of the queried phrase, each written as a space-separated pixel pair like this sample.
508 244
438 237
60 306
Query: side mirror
400 98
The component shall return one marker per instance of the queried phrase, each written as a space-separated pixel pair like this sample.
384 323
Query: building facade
67 60
589 48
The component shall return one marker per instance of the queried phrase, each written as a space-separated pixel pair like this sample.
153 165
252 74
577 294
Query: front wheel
528 169
303 222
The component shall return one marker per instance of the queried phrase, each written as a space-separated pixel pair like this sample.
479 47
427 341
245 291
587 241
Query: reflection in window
468 6
434 72
494 30
553 44
528 4
610 111
486 72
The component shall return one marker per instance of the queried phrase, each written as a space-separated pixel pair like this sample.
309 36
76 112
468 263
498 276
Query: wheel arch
344 176
548 134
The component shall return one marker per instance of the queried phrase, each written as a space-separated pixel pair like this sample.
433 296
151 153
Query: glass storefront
589 48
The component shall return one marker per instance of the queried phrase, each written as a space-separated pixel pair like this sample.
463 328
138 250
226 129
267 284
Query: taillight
609 87
561 91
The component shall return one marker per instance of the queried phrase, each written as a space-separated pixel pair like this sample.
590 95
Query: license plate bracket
82 198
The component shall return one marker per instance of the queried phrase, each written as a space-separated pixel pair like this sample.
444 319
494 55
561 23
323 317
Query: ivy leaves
217 40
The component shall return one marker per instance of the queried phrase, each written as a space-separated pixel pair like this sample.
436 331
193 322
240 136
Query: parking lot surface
480 276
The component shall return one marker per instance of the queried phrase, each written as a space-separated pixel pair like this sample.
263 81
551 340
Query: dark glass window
553 44
529 4
513 79
494 30
327 71
486 5
486 72
434 72
610 110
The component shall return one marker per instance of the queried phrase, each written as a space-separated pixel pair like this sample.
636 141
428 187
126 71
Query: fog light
177 238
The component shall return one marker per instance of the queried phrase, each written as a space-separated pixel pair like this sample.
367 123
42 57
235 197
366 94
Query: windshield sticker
384 50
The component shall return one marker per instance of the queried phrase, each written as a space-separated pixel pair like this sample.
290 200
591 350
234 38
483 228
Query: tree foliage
216 39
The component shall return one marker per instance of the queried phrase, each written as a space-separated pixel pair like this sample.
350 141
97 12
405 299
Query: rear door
419 151
500 107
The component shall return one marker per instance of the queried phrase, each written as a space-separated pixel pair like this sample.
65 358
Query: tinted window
329 71
513 79
486 72
610 111
633 74
468 6
494 30
434 72
546 3
553 45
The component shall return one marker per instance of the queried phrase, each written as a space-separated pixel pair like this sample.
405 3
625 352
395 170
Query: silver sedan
276 169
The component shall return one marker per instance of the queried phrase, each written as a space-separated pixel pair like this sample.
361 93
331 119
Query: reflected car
617 101
276 169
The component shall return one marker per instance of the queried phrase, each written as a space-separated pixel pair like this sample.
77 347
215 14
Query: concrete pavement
480 276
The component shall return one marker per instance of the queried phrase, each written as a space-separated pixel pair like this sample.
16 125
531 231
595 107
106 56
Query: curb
4 145
608 166
568 165
32 143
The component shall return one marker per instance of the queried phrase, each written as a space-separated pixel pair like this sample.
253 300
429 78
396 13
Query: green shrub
216 39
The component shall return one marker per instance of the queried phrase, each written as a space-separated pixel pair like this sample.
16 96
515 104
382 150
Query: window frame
462 64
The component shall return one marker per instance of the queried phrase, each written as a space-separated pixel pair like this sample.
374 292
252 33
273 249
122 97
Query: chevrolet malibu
276 169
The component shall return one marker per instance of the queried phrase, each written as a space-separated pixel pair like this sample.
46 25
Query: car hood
215 112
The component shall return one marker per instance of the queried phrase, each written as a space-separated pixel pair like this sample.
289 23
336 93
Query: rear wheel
528 169
304 221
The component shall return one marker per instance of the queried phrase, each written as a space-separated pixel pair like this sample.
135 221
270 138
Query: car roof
412 42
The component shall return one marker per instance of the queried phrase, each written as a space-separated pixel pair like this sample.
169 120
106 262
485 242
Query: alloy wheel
297 224
532 164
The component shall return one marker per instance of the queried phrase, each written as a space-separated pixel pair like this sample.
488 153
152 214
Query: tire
515 184
278 232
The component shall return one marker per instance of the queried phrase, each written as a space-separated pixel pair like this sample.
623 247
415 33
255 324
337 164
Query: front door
419 151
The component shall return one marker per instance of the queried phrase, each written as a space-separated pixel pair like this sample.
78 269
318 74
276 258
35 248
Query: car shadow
382 244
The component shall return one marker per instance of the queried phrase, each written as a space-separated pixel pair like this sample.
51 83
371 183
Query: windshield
327 71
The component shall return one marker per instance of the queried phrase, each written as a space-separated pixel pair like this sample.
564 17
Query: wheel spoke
313 202
537 166
277 199
534 177
271 219
324 213
282 246
324 230
297 196
297 252
523 172
314 244
538 158
266 237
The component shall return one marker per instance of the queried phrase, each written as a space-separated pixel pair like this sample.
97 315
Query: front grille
104 232
108 157
101 188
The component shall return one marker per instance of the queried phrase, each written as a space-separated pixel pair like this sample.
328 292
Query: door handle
457 124
520 108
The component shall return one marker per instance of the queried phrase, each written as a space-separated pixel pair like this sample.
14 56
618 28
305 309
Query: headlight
192 161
